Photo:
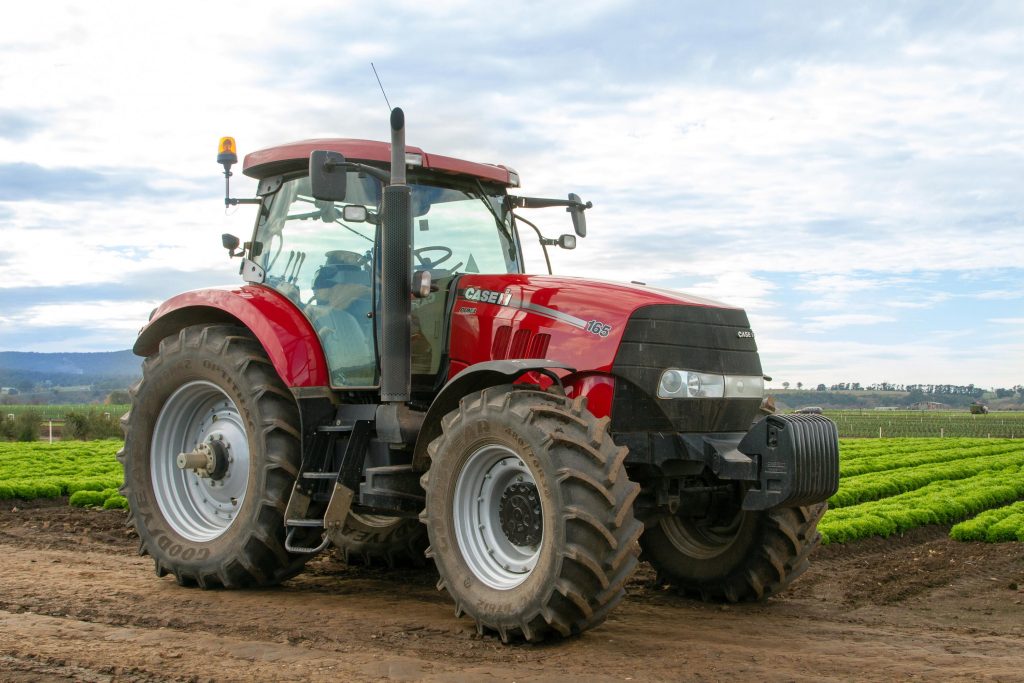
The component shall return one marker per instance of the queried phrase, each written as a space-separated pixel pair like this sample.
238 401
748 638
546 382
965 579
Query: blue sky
850 173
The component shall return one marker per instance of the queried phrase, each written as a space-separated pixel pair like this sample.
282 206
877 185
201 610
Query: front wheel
745 557
529 513
210 456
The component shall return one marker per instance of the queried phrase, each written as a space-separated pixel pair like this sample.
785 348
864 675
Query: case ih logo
486 296
745 334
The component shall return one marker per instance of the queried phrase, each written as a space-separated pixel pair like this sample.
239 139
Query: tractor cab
323 255
327 265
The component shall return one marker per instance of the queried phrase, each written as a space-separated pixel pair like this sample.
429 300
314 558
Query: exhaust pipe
396 274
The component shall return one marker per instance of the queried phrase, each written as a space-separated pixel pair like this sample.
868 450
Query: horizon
769 386
851 176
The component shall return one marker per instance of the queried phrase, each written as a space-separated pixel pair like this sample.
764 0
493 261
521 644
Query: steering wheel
429 263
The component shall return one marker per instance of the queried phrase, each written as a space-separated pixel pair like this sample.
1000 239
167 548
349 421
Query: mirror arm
543 240
369 170
542 203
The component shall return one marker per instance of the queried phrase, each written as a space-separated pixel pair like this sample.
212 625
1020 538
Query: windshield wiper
501 224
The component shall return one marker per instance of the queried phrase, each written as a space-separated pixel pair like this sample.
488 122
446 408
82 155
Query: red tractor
388 377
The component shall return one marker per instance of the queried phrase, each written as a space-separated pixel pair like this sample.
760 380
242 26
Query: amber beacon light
226 152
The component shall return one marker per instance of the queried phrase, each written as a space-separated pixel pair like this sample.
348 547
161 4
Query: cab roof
294 156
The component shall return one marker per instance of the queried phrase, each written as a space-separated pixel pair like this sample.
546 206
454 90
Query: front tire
751 557
212 386
529 513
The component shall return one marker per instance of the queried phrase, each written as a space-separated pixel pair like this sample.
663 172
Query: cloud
999 294
18 126
116 315
822 323
20 181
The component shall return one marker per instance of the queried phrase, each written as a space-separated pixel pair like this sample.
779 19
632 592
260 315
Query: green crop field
887 486
75 469
926 423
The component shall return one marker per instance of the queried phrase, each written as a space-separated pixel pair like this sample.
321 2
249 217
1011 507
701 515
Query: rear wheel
394 541
211 452
748 556
529 513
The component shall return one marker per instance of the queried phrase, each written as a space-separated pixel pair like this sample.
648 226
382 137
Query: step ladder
326 478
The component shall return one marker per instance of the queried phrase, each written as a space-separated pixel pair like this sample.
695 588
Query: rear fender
284 332
474 378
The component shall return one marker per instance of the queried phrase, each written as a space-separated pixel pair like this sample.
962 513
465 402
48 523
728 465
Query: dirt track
77 603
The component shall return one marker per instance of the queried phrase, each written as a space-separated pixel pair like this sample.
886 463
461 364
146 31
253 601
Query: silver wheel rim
490 554
199 508
702 541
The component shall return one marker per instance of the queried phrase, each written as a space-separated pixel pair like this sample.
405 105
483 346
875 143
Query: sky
852 174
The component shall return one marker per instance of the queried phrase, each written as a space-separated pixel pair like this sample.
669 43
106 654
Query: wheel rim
699 538
199 508
497 523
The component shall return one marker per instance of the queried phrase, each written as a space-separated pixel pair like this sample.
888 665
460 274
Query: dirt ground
77 603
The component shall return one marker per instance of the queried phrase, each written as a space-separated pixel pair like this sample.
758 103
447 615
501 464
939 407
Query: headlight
689 384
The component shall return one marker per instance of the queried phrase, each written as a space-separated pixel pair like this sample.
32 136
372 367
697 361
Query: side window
325 266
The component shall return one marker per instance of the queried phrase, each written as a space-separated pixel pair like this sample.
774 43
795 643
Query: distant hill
26 371
866 399
99 363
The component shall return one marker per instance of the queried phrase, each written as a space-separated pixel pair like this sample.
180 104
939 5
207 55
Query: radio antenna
381 86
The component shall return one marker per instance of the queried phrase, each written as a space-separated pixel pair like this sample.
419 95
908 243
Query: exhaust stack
396 274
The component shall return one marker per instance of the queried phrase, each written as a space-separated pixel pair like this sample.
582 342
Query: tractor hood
577 321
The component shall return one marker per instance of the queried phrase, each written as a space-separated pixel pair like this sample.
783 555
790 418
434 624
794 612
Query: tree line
925 389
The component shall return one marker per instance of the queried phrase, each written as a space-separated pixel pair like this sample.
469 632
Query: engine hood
574 320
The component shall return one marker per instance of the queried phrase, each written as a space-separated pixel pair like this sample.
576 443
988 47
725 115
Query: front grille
687 337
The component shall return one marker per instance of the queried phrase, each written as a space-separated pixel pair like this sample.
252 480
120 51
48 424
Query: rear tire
212 384
393 541
757 555
529 511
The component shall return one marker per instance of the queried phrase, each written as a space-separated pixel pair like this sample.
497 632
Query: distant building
8 391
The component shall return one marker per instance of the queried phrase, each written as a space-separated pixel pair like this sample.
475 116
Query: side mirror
422 284
567 241
327 175
230 242
579 221
354 213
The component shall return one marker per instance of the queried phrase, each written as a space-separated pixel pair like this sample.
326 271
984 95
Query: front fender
284 332
474 378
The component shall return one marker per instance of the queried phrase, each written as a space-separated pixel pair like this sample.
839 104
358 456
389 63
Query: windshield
461 231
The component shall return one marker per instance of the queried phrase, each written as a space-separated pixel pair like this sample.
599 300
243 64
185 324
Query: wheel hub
208 460
519 514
